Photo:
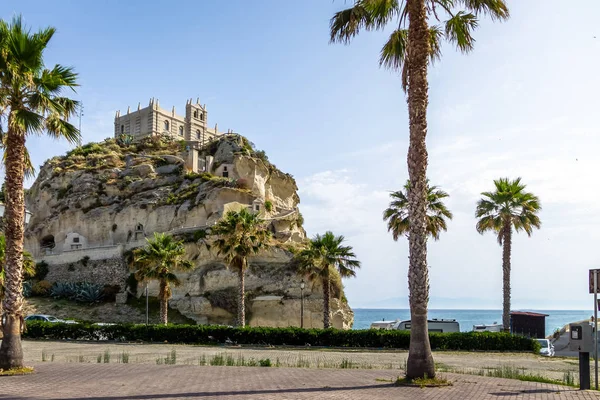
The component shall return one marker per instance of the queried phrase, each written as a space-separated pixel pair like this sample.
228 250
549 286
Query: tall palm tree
31 101
319 262
240 234
409 49
499 211
397 213
159 260
28 266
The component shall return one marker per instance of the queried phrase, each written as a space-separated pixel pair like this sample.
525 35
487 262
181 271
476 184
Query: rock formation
102 200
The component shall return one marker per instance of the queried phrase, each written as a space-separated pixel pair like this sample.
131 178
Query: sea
556 319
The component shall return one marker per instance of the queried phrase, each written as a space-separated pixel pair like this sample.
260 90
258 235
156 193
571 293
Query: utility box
581 338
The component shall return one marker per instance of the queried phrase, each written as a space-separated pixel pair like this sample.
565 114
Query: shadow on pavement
213 394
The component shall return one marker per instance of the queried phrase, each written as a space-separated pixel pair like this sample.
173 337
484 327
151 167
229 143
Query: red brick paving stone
182 382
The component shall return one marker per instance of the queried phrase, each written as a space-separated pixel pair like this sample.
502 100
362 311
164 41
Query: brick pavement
177 382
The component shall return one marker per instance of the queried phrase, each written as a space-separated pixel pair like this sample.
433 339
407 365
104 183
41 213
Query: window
202 117
198 134
122 129
225 173
181 131
195 113
166 125
75 246
139 227
257 207
75 240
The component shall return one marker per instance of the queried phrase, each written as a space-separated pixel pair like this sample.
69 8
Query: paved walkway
142 382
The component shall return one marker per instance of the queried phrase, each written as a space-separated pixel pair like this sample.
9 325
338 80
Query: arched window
122 129
139 228
225 172
198 134
181 131
195 113
166 125
202 117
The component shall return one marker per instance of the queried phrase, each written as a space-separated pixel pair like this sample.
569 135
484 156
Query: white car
547 347
47 318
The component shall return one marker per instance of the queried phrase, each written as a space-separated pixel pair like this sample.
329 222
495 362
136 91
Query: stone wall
111 271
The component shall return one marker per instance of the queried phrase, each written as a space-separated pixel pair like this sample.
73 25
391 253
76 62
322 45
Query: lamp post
146 303
302 304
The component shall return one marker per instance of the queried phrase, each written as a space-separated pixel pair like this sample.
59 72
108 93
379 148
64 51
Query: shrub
109 292
63 290
268 206
41 270
84 261
27 288
89 293
41 288
212 334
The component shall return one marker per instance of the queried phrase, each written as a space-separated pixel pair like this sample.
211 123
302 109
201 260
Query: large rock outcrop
103 199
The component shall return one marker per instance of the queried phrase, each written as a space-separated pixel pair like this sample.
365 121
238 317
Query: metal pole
146 303
596 327
301 307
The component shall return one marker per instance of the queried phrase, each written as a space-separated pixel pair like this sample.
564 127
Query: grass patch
16 371
518 373
423 382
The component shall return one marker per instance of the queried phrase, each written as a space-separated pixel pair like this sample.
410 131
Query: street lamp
146 303
302 304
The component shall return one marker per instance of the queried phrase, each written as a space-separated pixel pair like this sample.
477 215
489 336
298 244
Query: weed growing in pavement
44 356
346 364
202 360
218 360
423 382
106 357
264 363
99 358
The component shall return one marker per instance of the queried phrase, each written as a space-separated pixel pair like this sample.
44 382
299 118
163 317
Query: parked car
547 347
46 318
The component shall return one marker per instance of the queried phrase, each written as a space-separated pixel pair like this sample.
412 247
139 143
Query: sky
523 104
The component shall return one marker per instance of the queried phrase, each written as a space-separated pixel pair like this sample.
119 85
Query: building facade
154 120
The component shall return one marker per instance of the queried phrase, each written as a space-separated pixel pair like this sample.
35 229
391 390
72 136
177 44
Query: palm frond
459 30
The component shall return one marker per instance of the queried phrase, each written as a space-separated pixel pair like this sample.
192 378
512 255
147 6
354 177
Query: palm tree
499 211
324 257
28 266
159 260
240 234
409 49
31 101
397 213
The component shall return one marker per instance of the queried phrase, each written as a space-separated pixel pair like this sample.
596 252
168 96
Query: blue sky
524 103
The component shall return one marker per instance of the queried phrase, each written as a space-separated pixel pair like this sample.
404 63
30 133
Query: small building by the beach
529 324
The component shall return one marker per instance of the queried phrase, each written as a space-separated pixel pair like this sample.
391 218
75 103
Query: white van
433 325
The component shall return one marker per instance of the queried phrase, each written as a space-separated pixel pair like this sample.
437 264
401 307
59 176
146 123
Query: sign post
593 278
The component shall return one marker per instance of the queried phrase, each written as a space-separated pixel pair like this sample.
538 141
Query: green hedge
210 334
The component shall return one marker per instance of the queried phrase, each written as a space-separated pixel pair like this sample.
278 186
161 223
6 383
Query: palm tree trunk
420 361
506 247
326 295
164 301
241 317
11 352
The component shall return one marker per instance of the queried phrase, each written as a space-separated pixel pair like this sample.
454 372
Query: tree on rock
159 260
